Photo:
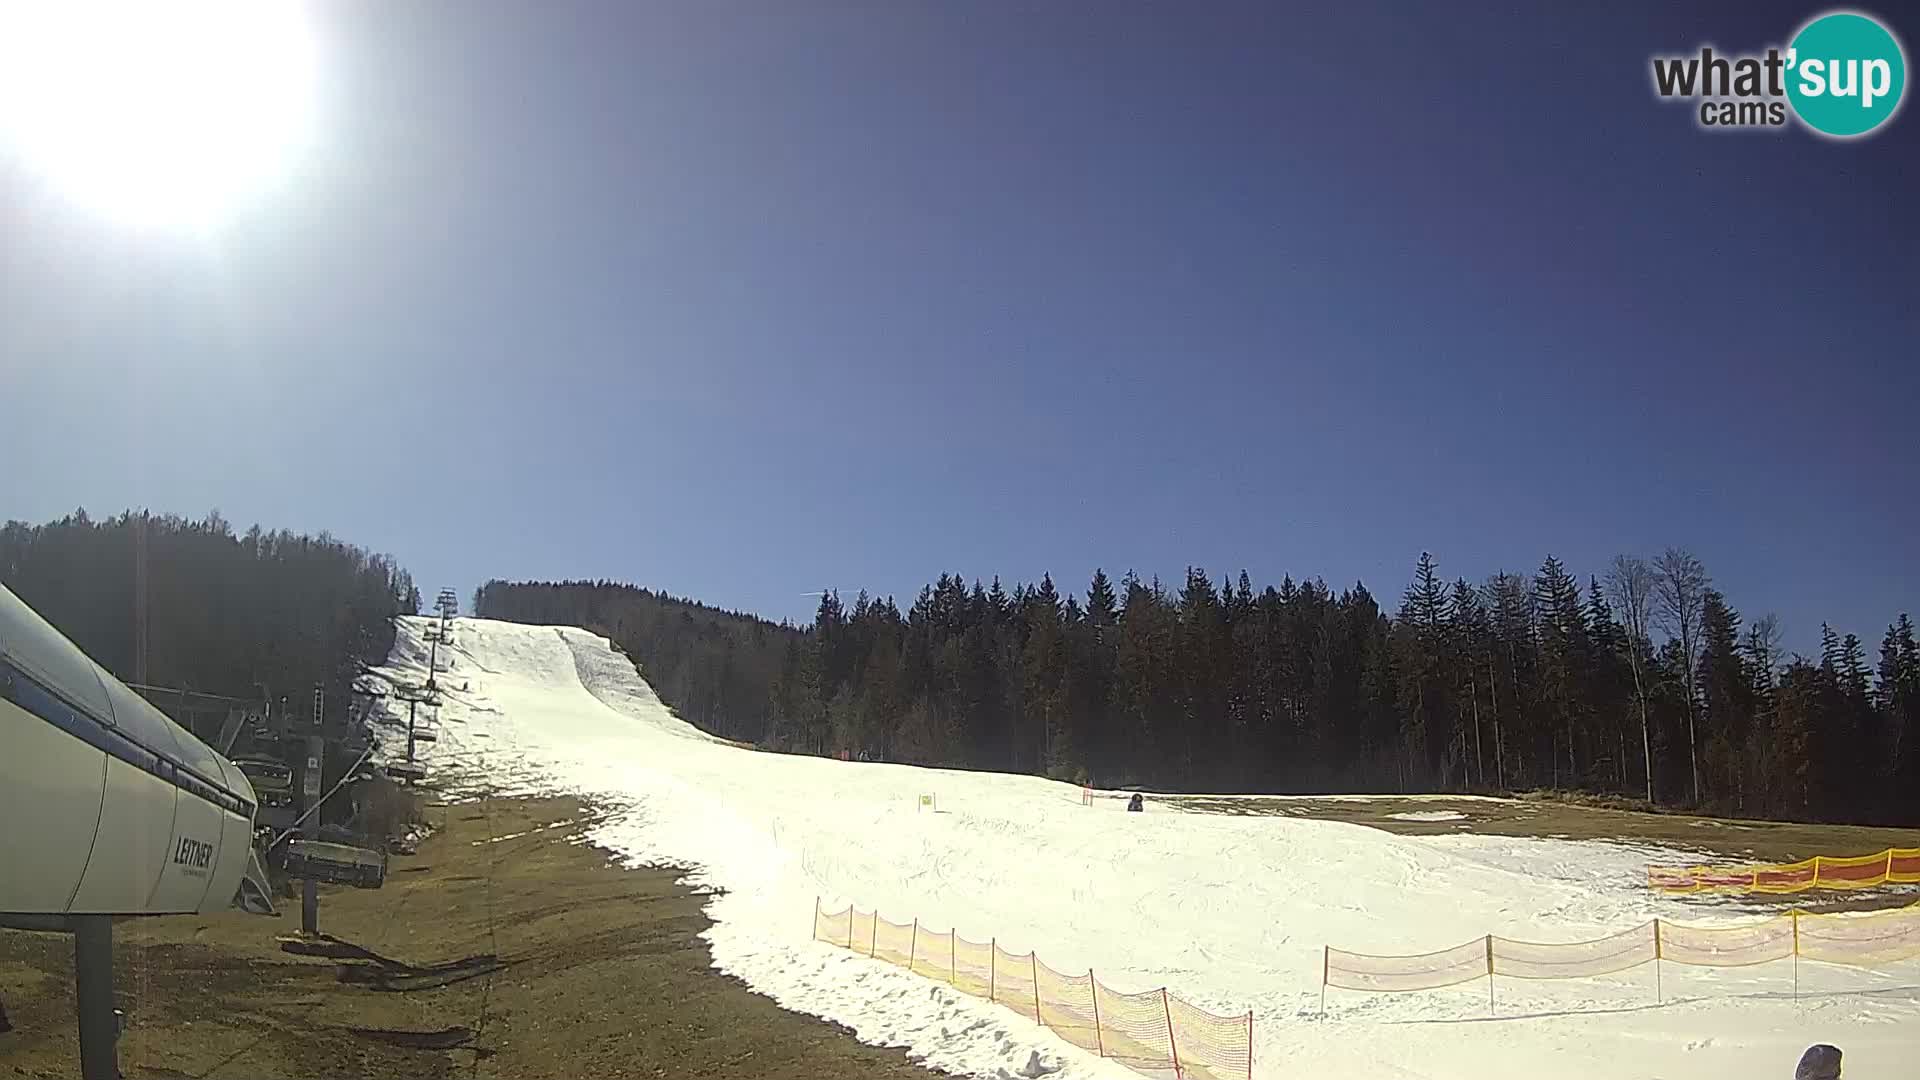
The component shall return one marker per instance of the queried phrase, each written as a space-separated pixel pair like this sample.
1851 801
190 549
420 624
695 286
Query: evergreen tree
1562 639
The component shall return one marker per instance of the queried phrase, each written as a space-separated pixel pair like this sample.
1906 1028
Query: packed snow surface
1429 815
1231 912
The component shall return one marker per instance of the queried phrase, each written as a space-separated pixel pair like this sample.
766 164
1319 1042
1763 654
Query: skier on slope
1134 804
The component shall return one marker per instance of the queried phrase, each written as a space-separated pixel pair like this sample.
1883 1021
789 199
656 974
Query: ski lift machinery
112 810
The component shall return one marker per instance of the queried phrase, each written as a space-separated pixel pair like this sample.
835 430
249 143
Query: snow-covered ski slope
1230 912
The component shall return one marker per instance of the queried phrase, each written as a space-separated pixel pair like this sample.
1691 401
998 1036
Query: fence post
815 935
1490 1011
1888 876
873 940
913 950
1249 1044
1326 964
1033 965
953 953
1659 994
1172 1046
1796 956
1093 991
993 969
850 926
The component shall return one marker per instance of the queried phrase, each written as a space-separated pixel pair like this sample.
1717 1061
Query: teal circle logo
1846 74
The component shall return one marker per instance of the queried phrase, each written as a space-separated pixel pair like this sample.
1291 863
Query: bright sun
160 113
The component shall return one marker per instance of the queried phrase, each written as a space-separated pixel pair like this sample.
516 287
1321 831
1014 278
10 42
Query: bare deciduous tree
1679 595
1630 590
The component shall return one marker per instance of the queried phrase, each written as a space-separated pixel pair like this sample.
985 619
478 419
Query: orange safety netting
1604 956
1727 946
1422 971
1871 940
1154 1032
1904 866
1895 865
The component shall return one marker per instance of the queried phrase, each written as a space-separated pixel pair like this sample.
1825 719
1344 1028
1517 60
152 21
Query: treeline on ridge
240 615
1641 681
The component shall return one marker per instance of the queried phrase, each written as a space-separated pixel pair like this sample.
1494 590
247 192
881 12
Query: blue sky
744 300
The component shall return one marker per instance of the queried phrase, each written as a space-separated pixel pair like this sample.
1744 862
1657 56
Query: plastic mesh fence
1066 1006
834 926
893 942
1786 878
1013 982
973 967
865 931
1863 872
1731 946
1211 1047
1152 1033
933 955
1896 865
1574 960
1883 937
1134 1027
1904 866
1423 971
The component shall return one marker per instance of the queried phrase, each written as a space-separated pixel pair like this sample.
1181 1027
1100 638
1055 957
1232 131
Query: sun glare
159 113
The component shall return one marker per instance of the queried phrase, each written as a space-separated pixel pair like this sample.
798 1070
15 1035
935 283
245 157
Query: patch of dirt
527 957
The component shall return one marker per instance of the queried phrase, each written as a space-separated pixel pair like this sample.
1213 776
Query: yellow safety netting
1066 1006
1870 940
894 943
1893 866
932 955
1136 1029
1153 1032
973 967
1015 982
1210 1046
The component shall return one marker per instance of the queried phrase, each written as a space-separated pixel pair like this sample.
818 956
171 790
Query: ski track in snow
1230 912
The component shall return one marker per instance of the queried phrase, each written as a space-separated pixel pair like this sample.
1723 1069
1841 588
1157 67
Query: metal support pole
93 989
310 790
